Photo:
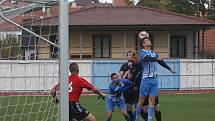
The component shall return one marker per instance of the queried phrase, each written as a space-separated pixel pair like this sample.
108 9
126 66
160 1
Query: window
101 46
32 56
53 49
178 47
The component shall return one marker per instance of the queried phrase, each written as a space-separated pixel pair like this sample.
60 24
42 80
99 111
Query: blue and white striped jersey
116 90
149 69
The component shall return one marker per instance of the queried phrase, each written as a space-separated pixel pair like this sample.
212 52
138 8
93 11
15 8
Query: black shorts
131 96
146 101
76 111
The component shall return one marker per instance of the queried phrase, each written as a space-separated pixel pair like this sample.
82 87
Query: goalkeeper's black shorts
76 111
146 101
131 96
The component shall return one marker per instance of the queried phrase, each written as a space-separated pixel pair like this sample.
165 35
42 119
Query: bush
10 47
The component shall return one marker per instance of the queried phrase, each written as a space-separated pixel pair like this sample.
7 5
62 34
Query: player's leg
143 93
128 102
90 117
76 111
151 108
157 110
144 112
122 106
109 108
135 100
109 116
139 108
73 120
126 116
129 111
152 94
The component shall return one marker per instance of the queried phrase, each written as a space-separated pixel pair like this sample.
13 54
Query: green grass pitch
174 107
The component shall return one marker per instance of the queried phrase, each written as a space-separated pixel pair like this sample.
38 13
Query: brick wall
209 43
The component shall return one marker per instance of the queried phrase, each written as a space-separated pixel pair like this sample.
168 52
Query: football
143 34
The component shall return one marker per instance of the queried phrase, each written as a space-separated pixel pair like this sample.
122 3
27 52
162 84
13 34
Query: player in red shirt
76 85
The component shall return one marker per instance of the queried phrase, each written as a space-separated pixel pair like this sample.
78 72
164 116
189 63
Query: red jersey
76 85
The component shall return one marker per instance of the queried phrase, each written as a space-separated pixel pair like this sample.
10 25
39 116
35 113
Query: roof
29 17
6 26
124 16
6 3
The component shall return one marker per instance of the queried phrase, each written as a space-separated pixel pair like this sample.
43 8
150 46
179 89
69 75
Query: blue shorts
111 104
149 86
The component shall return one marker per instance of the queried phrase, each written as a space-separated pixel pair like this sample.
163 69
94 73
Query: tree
189 7
200 7
211 12
178 6
158 4
10 47
181 6
129 2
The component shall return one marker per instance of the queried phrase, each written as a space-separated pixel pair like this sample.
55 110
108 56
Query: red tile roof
30 16
6 3
115 15
21 19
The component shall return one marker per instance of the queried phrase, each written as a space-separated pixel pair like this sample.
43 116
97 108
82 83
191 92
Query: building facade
108 32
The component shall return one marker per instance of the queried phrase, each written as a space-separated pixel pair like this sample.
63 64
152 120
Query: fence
37 75
42 75
197 74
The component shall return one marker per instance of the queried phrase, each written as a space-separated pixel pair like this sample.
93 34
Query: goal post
33 78
64 53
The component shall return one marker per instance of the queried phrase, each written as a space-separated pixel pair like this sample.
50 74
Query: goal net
29 59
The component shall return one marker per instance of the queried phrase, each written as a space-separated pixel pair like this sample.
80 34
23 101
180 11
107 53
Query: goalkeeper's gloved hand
54 96
101 97
56 100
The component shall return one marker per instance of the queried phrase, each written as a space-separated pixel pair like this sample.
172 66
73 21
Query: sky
109 1
103 1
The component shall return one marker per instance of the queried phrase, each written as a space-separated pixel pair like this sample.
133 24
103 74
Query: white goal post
62 45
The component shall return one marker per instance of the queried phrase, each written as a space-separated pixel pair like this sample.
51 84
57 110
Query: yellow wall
160 41
117 43
43 49
121 47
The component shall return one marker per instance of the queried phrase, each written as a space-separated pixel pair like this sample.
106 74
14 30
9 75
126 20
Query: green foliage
128 2
211 12
181 6
178 6
189 7
158 4
10 47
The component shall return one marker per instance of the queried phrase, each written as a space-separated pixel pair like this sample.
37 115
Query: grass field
174 107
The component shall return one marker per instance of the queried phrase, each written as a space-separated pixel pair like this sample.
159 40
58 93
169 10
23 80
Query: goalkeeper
76 85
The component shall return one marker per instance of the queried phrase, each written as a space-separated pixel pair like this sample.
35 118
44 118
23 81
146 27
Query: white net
29 64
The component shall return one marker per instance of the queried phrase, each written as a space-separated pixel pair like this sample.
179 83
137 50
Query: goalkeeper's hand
54 96
101 97
56 100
